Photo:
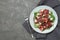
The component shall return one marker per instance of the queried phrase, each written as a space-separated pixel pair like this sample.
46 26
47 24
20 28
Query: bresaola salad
43 19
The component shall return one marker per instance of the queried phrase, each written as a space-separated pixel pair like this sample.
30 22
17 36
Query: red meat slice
41 28
45 20
46 11
41 12
49 24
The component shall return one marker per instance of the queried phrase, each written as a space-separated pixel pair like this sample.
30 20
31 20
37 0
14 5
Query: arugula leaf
51 13
52 16
35 14
36 25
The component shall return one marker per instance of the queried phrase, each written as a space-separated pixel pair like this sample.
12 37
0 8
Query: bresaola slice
46 11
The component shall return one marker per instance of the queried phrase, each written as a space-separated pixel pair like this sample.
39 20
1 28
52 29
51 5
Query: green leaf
51 13
36 25
35 14
52 16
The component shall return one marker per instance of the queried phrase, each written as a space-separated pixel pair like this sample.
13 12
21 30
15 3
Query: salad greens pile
43 19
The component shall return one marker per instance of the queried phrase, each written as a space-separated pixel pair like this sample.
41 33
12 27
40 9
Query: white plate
36 10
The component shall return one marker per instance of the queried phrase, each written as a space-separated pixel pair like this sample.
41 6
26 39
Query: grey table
12 14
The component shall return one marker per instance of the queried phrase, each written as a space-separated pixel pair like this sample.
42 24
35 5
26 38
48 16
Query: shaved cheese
40 23
35 20
38 14
44 26
37 17
51 18
49 12
42 10
43 15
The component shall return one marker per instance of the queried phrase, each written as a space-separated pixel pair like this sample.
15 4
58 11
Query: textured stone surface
12 14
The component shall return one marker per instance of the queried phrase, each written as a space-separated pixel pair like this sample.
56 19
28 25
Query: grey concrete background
12 14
